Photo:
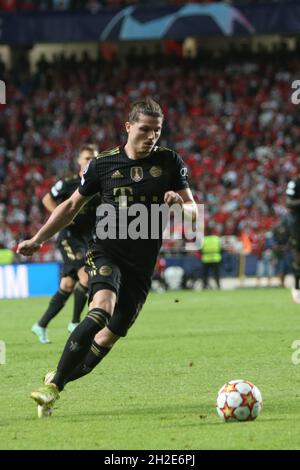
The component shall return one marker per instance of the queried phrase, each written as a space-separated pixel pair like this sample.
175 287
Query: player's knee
83 277
67 284
104 299
106 338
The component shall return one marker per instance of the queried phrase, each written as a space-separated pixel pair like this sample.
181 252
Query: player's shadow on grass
163 412
170 415
200 416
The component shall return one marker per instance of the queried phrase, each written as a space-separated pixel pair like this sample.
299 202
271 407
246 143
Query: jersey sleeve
293 189
58 190
90 181
179 174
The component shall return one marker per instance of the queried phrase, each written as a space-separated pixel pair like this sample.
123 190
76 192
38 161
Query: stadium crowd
230 117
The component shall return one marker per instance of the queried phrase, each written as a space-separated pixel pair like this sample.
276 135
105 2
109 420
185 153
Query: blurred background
223 74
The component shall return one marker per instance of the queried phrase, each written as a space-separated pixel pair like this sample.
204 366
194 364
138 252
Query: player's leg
296 270
103 300
131 299
56 304
76 348
279 269
132 296
205 273
101 346
80 341
271 270
286 266
104 283
216 272
73 258
80 298
294 241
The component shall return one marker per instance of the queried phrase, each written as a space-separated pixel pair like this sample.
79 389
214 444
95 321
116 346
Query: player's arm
292 203
185 198
62 215
181 193
49 203
189 205
292 191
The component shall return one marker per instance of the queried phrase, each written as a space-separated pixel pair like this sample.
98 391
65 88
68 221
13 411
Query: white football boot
45 411
296 295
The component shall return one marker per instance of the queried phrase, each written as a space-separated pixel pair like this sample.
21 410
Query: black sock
91 360
56 304
80 298
296 269
79 343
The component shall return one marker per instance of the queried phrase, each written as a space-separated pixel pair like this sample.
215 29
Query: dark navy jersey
123 182
84 222
293 192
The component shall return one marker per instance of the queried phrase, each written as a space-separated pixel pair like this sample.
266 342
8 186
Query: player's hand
28 247
171 198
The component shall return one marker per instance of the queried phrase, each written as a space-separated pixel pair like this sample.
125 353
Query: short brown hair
147 106
90 148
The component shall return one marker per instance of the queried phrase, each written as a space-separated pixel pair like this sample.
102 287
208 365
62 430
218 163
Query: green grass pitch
157 388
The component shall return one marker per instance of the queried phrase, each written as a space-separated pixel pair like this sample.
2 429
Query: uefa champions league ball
239 400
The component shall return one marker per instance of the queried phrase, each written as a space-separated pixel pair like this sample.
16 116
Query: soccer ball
239 400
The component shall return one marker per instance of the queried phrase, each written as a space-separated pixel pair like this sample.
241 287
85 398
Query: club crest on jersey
155 171
105 270
136 173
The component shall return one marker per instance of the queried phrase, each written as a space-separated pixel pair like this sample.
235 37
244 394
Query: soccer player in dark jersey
120 269
293 203
72 243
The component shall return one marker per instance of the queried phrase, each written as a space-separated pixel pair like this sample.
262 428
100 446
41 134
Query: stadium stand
229 116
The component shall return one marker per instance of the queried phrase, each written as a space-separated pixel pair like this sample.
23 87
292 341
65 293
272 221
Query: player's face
144 133
84 157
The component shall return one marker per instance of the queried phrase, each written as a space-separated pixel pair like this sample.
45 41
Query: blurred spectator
265 259
211 258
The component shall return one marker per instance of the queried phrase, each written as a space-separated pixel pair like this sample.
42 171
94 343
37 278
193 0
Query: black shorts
131 289
294 228
73 252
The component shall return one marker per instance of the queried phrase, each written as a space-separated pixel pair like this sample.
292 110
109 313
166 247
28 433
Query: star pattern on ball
230 388
249 400
227 411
